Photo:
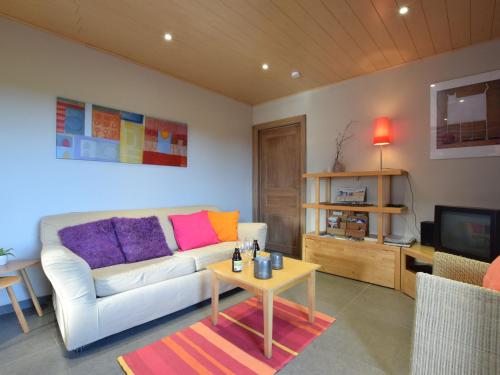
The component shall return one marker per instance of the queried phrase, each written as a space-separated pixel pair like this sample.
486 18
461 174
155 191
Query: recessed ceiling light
433 85
404 10
445 119
295 74
168 37
462 100
265 66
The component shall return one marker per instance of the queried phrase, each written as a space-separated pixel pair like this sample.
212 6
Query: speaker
427 233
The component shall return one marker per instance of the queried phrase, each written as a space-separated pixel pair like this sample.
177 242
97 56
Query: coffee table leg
215 298
311 295
31 292
267 298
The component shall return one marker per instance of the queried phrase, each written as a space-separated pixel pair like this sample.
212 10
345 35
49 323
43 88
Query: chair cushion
95 242
123 277
141 239
491 279
209 254
193 231
225 224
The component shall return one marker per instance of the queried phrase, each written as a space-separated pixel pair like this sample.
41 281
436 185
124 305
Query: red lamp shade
382 131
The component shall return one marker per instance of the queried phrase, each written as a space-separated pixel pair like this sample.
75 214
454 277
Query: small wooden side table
21 266
7 282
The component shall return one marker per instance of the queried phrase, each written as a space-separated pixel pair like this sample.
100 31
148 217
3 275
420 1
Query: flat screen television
470 232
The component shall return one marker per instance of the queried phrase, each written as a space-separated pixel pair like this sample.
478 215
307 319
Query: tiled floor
372 335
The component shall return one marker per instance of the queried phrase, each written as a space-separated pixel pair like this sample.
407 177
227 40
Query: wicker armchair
457 322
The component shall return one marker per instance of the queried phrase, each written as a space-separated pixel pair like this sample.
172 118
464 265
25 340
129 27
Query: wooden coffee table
293 273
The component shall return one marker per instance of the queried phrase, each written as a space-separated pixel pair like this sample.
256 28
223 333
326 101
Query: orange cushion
492 278
225 224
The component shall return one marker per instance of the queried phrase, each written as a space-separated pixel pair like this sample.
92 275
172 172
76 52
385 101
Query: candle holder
276 261
262 268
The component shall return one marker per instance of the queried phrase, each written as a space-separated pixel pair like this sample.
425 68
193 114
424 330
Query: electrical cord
412 204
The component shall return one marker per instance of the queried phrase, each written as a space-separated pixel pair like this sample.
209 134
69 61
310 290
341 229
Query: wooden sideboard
389 266
360 260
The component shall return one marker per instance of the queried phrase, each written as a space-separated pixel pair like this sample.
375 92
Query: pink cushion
492 278
193 230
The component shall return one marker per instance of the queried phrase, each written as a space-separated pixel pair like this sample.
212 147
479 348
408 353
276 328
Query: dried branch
342 137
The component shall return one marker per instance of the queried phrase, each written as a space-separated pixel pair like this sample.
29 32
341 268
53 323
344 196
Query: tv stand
409 267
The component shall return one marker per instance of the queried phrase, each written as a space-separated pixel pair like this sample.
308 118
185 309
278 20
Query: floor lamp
382 134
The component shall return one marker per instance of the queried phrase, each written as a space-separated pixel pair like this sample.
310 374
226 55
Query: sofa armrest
253 231
458 268
70 275
456 328
72 281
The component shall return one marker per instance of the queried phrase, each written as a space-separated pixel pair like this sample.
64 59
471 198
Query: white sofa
93 304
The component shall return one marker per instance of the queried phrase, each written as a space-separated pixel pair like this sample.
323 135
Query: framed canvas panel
90 132
465 117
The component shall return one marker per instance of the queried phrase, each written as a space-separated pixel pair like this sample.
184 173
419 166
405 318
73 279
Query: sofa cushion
225 224
95 242
123 277
193 231
491 279
141 239
204 256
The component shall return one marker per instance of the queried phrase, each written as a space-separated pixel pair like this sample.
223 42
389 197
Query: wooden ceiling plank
282 43
459 20
301 40
481 19
417 26
272 43
388 12
205 43
370 19
252 42
220 44
189 48
317 35
343 14
34 13
437 20
334 29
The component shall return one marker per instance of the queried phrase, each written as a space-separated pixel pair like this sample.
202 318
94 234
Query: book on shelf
403 241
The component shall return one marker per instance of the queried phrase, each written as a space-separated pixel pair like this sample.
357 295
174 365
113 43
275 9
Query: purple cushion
95 242
141 239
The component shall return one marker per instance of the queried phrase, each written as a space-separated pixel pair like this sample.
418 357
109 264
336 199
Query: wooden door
280 163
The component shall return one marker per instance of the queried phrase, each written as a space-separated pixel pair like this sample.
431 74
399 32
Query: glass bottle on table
256 249
237 262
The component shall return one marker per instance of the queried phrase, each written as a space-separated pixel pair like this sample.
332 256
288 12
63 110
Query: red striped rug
234 346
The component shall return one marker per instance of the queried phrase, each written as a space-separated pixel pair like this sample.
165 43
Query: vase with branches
342 137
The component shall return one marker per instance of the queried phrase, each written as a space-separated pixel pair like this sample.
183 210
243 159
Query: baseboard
25 304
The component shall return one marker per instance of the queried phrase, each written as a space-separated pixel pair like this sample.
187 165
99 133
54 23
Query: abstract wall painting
465 117
165 142
91 132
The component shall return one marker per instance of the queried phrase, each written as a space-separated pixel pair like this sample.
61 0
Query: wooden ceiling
221 44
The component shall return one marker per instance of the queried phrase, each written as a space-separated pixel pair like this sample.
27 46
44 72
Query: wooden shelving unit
367 261
330 206
379 208
383 172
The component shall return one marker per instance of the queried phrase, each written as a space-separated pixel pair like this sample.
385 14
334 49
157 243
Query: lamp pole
380 147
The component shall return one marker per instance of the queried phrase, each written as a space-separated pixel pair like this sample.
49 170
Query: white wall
403 95
35 67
